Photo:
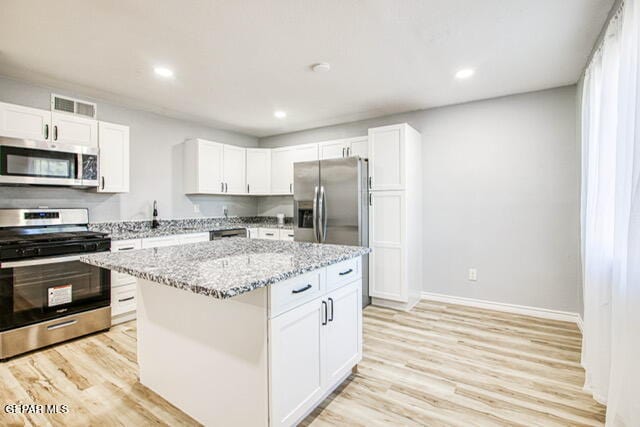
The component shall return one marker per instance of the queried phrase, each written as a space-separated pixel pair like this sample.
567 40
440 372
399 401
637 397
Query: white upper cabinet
234 169
344 148
70 129
258 170
113 141
17 121
214 168
282 171
358 147
332 149
203 167
387 157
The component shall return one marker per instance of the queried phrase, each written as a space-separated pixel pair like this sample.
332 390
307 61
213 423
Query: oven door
42 163
40 289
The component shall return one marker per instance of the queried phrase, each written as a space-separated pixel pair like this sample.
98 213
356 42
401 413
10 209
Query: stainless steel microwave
30 162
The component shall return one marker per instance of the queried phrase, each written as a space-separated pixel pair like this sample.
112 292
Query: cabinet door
333 149
343 337
252 233
210 167
387 238
286 234
281 170
359 147
113 141
258 170
184 239
17 121
68 129
296 354
234 167
386 157
303 153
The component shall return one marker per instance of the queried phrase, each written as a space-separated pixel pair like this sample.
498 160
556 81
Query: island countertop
225 268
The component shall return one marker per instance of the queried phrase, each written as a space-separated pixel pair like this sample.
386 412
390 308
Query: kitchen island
245 332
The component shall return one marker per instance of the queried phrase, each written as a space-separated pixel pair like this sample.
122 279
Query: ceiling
236 62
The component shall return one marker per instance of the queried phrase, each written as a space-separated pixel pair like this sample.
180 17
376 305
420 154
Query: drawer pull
344 273
126 249
62 325
126 299
268 234
298 291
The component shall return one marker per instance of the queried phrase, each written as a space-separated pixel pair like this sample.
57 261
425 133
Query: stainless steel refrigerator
331 205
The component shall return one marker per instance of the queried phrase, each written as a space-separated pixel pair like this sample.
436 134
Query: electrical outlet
473 274
196 208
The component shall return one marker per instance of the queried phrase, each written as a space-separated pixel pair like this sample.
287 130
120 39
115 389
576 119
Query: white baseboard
580 322
543 313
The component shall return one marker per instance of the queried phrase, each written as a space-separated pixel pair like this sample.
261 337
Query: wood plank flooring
439 365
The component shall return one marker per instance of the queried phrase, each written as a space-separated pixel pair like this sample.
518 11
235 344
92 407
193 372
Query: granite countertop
124 230
225 268
173 230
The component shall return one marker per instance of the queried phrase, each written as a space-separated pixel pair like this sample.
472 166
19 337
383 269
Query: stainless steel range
46 294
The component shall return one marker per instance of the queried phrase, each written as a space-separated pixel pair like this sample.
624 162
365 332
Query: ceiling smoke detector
321 67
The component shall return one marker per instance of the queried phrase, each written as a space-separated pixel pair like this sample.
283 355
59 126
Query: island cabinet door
296 357
343 332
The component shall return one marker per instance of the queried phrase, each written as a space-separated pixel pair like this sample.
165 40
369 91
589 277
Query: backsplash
112 227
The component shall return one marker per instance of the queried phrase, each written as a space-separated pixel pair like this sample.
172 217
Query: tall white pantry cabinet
395 216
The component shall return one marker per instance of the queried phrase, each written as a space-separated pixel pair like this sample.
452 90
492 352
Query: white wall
156 165
501 194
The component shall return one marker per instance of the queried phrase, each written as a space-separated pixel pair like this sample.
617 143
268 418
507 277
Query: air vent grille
73 106
62 104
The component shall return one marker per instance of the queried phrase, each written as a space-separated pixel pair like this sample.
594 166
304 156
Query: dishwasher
233 232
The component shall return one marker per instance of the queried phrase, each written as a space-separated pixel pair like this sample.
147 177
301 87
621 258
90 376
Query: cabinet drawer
343 272
269 233
156 242
121 279
291 293
123 299
193 238
126 245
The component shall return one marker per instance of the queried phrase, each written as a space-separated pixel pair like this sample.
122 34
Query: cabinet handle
55 133
344 273
331 318
62 324
126 299
226 187
102 182
301 290
342 151
130 248
370 182
324 308
222 187
248 188
370 199
290 188
268 234
348 151
46 131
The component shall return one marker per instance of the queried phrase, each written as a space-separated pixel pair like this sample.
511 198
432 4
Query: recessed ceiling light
280 114
321 67
465 73
163 72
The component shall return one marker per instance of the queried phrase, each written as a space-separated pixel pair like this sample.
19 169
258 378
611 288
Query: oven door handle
39 261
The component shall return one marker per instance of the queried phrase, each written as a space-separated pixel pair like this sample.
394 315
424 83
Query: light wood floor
439 365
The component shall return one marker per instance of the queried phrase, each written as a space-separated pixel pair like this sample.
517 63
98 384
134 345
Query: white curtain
611 219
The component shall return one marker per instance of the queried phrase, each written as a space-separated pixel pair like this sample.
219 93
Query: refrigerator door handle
315 214
322 221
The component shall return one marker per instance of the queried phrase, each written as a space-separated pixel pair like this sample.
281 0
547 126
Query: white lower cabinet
296 370
286 234
123 286
327 332
271 233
